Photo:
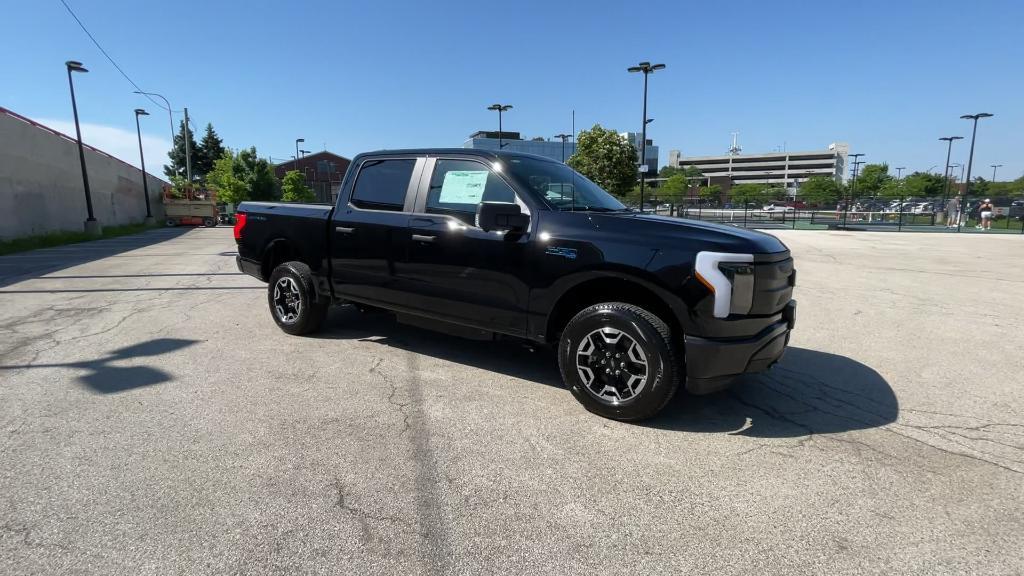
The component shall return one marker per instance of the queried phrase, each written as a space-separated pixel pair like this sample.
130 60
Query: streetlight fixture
994 167
899 172
92 226
945 175
563 137
853 185
970 156
647 69
304 152
142 159
499 108
170 118
296 163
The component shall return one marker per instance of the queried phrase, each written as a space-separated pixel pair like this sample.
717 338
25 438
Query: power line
87 33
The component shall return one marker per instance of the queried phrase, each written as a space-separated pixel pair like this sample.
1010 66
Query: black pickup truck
490 244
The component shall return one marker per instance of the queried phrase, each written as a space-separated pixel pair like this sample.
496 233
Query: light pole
853 185
304 152
994 167
499 108
142 159
945 175
170 118
899 172
563 137
647 68
92 226
970 156
295 165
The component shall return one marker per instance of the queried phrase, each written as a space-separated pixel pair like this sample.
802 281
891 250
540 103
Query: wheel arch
614 288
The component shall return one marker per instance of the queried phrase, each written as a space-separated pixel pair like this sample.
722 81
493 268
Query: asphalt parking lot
154 420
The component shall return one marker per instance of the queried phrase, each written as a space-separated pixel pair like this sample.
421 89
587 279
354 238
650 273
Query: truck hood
718 237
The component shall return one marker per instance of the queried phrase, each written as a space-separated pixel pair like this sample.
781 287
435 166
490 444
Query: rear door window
383 184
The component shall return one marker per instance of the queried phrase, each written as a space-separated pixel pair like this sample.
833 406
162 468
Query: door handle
423 238
344 229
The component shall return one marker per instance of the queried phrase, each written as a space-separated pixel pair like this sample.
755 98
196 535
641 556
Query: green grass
62 238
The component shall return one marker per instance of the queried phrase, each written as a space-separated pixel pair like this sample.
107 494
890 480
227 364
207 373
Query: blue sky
887 77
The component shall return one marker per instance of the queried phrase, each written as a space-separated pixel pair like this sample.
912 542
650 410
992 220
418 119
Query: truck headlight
730 277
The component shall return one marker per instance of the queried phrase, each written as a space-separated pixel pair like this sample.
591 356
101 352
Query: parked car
777 207
489 244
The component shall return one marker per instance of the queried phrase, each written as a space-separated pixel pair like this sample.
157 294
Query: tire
291 295
647 372
170 223
209 222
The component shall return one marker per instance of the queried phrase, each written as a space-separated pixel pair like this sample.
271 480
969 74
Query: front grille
773 285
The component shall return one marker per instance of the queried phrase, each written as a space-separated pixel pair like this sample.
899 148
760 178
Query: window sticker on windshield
463 187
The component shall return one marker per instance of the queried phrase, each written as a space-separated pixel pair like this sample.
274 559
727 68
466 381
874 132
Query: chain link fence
899 214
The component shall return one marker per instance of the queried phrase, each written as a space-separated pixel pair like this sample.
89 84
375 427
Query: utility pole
994 166
188 152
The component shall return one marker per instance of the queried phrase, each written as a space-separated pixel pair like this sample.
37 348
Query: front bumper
711 365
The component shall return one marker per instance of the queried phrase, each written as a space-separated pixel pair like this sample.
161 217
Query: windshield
560 186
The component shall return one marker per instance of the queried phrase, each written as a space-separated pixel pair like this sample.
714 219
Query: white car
777 208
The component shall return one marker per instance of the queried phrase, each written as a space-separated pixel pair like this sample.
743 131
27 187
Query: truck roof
483 153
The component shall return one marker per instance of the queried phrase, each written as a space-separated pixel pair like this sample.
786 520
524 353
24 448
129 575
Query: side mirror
506 216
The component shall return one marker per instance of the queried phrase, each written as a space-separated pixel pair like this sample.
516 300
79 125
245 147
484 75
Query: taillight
239 224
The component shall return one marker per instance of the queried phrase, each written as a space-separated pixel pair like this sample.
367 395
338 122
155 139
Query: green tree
211 149
820 190
744 193
713 192
177 153
258 176
674 187
294 189
923 185
980 187
606 158
225 179
668 171
871 179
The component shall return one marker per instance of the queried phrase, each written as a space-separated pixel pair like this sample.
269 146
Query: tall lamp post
296 164
853 185
92 226
142 159
994 167
563 137
949 149
170 118
899 172
499 108
970 156
647 68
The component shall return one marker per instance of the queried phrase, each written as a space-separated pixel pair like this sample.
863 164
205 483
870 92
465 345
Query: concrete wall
41 183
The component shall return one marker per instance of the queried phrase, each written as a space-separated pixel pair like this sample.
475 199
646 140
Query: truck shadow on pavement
103 377
808 392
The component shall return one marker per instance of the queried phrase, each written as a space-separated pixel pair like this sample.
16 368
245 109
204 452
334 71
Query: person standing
953 212
985 214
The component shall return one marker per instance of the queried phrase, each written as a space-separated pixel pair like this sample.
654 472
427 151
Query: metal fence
904 214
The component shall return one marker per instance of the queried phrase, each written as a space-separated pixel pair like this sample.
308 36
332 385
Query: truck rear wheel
619 361
291 294
209 222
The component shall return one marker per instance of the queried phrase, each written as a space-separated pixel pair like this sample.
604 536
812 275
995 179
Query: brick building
323 171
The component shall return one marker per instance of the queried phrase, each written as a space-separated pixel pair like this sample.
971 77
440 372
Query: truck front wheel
619 361
291 294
